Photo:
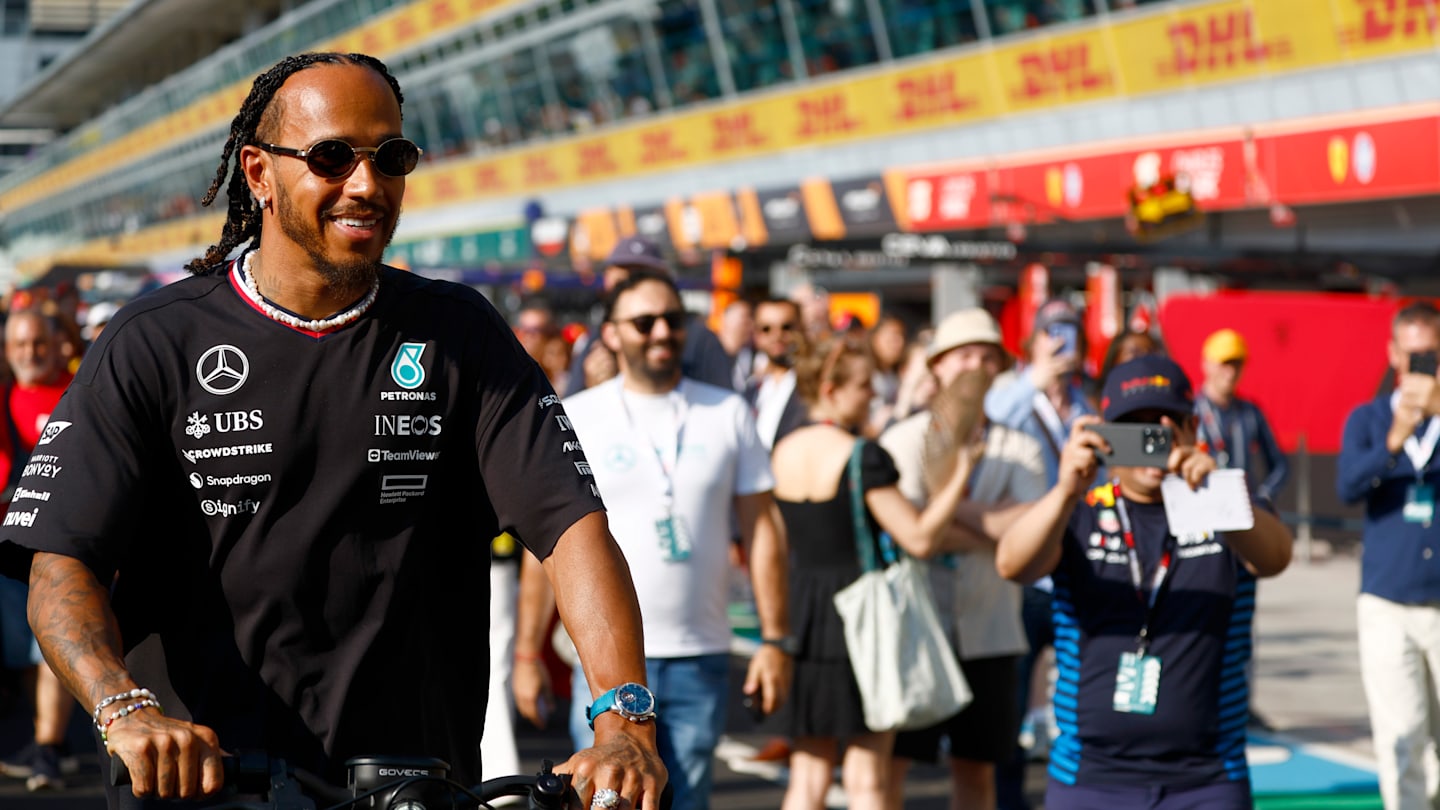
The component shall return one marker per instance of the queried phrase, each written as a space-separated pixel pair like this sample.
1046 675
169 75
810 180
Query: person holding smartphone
1388 462
1044 400
1046 395
1152 630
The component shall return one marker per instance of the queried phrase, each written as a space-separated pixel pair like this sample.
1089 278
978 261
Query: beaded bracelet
133 707
137 692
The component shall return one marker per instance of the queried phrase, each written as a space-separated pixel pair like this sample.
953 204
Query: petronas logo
406 370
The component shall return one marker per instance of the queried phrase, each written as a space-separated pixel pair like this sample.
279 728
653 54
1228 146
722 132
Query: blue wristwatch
631 701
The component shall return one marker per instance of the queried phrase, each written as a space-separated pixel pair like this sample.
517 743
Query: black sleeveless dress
825 702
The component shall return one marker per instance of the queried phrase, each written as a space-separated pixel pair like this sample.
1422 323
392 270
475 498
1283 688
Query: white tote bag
907 673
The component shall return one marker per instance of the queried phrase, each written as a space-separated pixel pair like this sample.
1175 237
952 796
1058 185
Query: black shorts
984 731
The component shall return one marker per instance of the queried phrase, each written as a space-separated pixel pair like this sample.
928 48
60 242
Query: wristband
526 658
133 707
137 692
786 644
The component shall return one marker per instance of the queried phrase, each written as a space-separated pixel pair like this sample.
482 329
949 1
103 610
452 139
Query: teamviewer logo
373 456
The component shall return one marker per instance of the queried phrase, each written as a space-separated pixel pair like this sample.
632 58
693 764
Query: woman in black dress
812 490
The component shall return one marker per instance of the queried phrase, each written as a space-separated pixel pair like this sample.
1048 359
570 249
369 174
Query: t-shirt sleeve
877 469
535 472
905 442
84 485
752 468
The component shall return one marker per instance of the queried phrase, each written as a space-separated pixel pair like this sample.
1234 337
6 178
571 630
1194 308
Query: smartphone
1422 363
755 706
1135 445
1069 336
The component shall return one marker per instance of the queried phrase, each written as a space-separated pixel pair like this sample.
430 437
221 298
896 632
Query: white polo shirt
684 456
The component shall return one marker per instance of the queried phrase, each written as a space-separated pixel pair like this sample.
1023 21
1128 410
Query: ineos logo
222 369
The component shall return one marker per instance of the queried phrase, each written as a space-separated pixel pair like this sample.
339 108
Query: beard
658 374
350 272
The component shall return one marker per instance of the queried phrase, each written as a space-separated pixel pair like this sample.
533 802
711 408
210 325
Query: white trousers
498 754
1400 667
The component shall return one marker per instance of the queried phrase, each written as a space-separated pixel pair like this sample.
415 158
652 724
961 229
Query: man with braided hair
285 466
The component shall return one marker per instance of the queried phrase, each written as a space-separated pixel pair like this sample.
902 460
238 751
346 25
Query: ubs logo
235 421
223 369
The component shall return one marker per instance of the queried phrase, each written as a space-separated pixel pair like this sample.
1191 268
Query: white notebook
1221 504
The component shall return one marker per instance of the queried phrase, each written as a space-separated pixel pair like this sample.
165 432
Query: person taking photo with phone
1152 629
1044 400
1388 462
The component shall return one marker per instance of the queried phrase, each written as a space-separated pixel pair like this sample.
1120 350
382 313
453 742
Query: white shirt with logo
683 602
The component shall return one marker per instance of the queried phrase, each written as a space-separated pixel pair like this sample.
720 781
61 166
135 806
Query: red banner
1383 159
1098 186
1285 332
1291 164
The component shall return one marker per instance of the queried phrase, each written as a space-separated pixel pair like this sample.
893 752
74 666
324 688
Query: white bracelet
133 693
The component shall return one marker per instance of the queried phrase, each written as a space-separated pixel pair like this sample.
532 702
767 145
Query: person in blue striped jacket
1152 630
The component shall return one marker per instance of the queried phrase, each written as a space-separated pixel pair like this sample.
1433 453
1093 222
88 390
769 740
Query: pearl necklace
252 290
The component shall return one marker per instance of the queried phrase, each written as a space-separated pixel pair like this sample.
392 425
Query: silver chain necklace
274 313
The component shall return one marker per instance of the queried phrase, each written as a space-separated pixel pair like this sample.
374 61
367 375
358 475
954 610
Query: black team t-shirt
1199 628
298 526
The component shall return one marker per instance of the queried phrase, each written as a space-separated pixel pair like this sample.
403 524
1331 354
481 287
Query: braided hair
242 216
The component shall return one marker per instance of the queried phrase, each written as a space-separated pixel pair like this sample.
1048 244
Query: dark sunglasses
674 319
334 159
767 328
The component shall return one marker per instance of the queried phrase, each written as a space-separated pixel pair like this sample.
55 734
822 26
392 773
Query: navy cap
1053 312
1148 382
637 251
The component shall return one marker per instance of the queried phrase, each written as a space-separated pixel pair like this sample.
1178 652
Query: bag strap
864 538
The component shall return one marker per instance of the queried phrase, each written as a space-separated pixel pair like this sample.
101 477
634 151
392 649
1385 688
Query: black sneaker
20 765
45 770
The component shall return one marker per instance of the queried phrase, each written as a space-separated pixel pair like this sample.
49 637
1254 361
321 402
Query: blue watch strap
601 705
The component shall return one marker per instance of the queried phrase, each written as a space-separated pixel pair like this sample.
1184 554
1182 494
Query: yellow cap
1224 346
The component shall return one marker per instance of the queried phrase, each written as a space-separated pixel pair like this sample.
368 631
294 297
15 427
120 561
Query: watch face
632 698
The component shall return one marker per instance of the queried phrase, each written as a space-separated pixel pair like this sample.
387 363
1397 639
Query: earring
264 202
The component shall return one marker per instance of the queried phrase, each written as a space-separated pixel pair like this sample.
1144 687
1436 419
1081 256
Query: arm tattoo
69 611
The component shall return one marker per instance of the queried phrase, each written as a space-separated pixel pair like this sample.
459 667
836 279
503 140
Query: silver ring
606 798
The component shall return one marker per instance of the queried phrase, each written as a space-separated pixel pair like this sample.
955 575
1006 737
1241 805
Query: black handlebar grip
119 774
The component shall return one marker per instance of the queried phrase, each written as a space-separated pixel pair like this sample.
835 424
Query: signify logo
218 508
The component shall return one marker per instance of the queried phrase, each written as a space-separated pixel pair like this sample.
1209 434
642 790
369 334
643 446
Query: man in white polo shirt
671 457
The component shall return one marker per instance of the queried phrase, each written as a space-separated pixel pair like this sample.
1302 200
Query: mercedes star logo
222 369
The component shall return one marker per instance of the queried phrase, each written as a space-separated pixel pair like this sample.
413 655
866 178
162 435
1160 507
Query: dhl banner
1167 50
1152 50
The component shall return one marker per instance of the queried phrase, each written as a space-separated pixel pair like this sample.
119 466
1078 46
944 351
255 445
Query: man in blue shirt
1043 400
1233 430
1387 461
1152 631
1046 395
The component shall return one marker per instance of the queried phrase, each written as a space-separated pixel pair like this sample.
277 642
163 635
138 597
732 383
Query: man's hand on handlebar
168 758
624 759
